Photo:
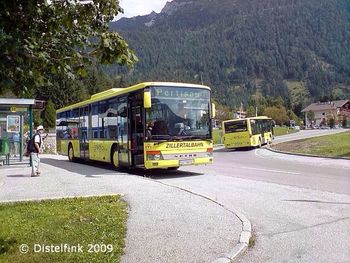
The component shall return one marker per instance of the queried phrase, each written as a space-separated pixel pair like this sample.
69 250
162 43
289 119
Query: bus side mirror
147 101
213 110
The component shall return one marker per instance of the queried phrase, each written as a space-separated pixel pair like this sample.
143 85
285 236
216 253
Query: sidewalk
165 224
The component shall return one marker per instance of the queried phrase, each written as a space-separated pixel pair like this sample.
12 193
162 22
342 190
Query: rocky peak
172 6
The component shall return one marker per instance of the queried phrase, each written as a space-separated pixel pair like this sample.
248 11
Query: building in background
323 112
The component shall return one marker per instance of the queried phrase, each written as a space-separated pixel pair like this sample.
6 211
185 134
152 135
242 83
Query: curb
56 198
245 235
304 154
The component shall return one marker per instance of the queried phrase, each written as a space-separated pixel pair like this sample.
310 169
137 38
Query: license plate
186 162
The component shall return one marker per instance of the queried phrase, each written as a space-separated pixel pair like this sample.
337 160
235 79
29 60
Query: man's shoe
34 175
38 173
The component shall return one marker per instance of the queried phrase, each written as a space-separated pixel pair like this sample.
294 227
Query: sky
140 7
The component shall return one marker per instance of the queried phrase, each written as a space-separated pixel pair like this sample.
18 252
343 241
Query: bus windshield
236 126
178 113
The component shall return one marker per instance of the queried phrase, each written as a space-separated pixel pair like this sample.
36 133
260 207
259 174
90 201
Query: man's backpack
30 146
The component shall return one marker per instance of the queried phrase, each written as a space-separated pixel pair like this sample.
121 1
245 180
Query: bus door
260 130
123 133
263 130
137 134
83 132
83 142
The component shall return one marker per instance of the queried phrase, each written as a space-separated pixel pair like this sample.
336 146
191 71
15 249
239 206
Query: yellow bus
149 125
248 132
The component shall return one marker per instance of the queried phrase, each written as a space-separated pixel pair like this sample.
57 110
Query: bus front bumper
156 164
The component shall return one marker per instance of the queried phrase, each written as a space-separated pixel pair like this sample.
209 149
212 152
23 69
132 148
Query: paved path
165 224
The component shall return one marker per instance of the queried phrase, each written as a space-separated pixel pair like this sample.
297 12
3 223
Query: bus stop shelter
16 116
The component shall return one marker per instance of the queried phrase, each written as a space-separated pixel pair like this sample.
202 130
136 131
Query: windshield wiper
160 137
178 137
186 137
196 137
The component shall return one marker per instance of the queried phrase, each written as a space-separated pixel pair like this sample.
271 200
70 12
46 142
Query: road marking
256 152
267 170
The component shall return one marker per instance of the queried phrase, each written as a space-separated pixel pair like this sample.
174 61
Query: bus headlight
153 155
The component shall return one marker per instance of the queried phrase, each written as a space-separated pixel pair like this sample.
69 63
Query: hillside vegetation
296 49
255 54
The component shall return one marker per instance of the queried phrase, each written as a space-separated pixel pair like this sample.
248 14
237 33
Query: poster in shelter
13 123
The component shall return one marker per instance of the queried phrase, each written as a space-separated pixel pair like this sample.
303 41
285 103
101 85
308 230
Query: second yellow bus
247 132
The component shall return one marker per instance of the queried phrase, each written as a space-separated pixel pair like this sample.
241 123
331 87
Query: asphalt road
299 206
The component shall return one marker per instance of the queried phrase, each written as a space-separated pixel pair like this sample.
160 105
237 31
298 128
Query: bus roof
119 91
250 118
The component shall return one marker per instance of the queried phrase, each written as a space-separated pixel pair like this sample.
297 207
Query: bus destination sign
173 92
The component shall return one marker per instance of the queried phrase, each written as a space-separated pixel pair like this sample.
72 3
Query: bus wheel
114 158
71 153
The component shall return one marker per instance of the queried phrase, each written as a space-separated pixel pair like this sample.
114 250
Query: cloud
140 7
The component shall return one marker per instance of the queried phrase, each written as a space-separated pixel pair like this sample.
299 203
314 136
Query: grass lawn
336 145
278 131
71 221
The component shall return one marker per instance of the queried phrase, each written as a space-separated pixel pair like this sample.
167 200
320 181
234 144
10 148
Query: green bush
37 118
49 115
331 122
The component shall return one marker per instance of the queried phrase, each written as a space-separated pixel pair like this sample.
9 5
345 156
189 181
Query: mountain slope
243 47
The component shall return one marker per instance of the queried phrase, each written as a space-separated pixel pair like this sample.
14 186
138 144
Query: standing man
15 144
35 159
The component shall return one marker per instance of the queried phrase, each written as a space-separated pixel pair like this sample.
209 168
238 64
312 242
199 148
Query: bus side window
94 120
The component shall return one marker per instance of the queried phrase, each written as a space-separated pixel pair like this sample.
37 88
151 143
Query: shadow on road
243 149
18 175
95 169
163 173
89 169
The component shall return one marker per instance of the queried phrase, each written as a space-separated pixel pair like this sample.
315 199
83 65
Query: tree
331 122
344 122
37 118
251 111
278 114
66 92
223 112
256 102
49 115
42 40
310 115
